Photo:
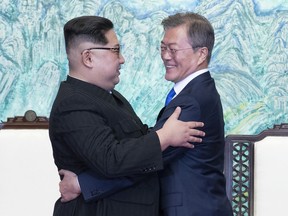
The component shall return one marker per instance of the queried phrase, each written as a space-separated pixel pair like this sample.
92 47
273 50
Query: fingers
63 199
198 133
62 191
195 132
176 113
195 135
66 173
66 198
188 145
65 195
194 124
195 139
61 172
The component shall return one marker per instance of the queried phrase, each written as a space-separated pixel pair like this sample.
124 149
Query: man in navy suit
192 182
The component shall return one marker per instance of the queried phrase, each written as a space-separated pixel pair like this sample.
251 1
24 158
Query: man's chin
116 81
168 77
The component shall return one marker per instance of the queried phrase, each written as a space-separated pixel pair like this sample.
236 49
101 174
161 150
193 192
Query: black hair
86 28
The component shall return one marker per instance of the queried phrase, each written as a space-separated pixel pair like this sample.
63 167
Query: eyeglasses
115 50
172 52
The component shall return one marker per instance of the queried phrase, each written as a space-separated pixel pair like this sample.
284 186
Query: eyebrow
169 44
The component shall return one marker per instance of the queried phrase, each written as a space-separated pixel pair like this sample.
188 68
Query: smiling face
185 60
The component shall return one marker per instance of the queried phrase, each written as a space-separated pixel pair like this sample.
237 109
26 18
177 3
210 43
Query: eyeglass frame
172 52
116 50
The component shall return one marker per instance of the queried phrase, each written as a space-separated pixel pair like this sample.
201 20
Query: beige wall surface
29 178
270 175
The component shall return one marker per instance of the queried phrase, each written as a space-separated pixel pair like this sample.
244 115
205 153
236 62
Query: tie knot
169 97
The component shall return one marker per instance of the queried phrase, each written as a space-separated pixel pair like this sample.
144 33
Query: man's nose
121 58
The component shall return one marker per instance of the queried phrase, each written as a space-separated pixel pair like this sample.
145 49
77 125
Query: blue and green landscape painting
249 63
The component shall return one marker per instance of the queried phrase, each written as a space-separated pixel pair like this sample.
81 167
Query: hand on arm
69 186
87 182
177 133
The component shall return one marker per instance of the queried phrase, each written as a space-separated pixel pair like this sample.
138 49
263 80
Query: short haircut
199 30
86 29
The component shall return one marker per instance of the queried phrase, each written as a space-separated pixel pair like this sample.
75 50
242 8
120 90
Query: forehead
111 37
175 35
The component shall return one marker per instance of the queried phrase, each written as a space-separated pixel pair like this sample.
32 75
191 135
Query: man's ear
87 58
203 52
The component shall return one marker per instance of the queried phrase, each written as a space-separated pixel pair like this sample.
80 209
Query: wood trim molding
20 122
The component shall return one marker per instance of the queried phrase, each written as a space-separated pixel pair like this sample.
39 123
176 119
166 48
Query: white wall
270 176
29 179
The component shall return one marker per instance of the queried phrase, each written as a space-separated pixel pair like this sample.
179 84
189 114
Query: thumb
61 172
176 113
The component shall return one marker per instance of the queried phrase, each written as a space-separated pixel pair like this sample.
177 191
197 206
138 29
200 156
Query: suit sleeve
94 187
98 148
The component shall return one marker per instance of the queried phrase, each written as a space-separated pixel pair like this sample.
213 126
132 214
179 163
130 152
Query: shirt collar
179 86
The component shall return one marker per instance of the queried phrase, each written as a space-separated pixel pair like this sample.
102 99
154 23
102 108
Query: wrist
162 138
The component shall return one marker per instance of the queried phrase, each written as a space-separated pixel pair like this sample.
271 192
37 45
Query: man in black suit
93 127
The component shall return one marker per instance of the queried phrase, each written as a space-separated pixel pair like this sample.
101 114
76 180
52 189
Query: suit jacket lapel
192 84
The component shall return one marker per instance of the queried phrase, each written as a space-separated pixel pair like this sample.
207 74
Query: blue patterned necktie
169 97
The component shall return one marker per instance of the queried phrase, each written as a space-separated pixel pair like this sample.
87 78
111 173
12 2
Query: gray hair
199 30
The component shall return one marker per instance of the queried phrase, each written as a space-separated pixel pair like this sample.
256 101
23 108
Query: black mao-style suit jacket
92 129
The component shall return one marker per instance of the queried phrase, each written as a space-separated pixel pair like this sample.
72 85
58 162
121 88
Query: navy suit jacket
192 182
